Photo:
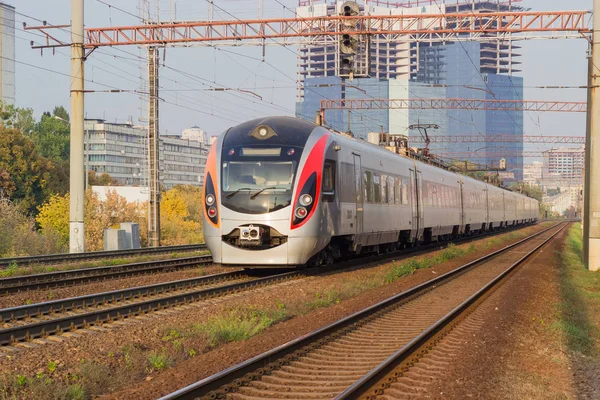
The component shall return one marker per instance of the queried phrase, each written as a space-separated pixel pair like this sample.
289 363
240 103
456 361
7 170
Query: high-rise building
362 122
7 53
464 70
400 56
120 150
564 163
400 67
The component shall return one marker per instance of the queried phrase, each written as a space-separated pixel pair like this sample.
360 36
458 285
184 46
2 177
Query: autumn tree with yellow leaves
181 217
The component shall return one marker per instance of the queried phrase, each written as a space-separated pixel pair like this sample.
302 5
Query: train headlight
300 212
263 131
210 199
212 212
306 200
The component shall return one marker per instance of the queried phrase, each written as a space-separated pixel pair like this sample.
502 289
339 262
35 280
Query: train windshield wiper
230 195
262 190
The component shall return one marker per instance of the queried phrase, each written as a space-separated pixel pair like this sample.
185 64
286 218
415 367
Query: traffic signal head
349 9
348 44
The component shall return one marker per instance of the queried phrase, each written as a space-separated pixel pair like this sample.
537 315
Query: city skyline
243 67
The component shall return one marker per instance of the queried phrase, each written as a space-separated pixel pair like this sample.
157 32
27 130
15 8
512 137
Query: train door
359 194
462 205
414 206
487 206
420 201
416 197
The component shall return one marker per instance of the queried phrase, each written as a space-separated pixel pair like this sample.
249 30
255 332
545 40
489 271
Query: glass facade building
446 71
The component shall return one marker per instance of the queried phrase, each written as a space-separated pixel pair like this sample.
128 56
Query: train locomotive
281 191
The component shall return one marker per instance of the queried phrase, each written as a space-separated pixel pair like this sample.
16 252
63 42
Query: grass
158 361
400 270
239 324
579 289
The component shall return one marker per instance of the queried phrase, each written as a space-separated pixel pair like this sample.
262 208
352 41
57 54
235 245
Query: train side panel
441 202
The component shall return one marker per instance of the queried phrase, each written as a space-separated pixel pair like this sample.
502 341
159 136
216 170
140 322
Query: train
284 192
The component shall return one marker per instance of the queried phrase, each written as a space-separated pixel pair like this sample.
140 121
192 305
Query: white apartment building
7 54
196 134
532 173
566 163
121 151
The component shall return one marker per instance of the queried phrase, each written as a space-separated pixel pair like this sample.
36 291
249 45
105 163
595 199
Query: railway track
86 275
59 279
96 255
28 322
358 355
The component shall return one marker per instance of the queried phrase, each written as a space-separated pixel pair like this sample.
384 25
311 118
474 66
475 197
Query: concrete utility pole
591 223
153 148
76 190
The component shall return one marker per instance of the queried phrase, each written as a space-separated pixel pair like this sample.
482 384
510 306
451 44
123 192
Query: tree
181 216
61 112
17 118
28 172
53 217
102 180
19 237
52 136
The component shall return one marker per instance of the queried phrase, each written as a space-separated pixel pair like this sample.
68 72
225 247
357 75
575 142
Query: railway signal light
350 48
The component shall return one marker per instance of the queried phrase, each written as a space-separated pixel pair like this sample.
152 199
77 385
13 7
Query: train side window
368 176
384 189
398 185
404 191
347 188
377 188
391 190
328 184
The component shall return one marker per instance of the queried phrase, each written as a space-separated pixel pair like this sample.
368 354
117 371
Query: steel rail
369 381
221 383
93 255
85 275
97 317
93 300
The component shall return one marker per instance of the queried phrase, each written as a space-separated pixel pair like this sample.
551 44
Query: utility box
115 239
373 137
132 234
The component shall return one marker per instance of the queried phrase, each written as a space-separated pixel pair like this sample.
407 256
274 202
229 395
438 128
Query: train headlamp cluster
300 213
306 200
210 200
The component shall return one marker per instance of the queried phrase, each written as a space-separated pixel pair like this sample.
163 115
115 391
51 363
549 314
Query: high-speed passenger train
281 191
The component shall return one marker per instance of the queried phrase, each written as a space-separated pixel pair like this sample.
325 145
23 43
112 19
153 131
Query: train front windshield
258 180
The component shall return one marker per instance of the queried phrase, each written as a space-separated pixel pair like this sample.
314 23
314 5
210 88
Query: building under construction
403 57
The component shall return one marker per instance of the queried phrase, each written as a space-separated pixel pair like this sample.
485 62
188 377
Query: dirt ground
510 348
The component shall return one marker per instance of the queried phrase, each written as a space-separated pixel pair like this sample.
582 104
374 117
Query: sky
188 74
